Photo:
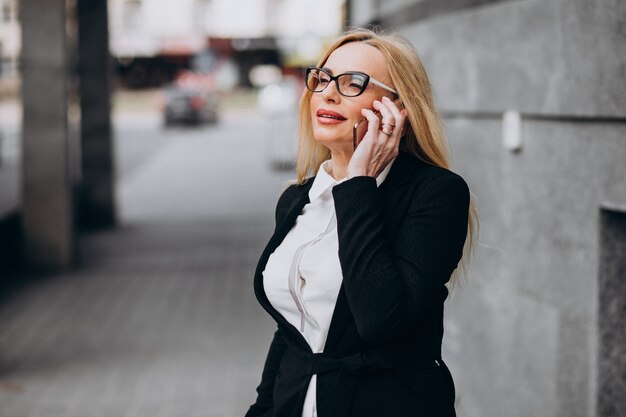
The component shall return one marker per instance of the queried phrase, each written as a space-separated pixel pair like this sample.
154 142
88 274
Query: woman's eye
354 87
323 79
355 82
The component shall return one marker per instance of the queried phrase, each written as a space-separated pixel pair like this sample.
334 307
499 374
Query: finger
372 122
375 144
398 115
387 115
392 145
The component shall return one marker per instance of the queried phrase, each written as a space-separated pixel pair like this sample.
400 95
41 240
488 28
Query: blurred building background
140 162
153 39
175 58
9 46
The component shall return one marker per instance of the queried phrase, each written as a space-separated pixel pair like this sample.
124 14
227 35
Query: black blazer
398 246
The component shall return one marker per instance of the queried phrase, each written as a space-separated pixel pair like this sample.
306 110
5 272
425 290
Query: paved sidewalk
158 321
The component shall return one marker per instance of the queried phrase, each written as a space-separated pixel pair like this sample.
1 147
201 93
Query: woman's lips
329 117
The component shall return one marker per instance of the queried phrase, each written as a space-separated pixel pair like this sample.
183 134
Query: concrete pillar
96 205
46 188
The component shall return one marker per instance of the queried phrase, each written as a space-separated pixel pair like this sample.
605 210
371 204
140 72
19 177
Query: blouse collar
324 181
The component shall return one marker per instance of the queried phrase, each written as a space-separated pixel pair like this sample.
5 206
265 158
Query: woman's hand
380 144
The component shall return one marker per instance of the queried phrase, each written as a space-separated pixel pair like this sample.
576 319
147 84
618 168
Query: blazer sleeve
389 284
264 401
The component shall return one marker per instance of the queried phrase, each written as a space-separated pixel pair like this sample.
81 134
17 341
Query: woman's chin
331 138
334 142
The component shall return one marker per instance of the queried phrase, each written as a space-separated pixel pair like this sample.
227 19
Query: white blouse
303 275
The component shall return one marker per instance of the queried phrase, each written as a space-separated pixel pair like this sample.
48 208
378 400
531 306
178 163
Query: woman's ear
405 128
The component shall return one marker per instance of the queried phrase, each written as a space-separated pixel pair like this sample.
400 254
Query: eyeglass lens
348 84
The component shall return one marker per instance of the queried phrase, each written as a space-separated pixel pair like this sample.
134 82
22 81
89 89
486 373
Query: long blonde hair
424 138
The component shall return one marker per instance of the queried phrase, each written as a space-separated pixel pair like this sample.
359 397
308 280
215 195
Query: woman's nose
330 93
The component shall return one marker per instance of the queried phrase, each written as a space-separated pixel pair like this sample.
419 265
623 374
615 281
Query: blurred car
189 104
278 105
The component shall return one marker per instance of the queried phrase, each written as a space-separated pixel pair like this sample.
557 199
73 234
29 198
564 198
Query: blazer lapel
281 230
392 190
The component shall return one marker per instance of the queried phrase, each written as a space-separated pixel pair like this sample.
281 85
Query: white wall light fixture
512 130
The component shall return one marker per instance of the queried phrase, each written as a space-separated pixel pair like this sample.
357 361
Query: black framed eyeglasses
349 84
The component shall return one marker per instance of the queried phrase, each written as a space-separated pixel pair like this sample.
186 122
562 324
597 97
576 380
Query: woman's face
334 115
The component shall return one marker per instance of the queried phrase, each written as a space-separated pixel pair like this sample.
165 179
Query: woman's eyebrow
328 69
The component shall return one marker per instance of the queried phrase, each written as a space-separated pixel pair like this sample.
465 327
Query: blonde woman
355 274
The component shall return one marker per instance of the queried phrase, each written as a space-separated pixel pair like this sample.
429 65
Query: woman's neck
339 165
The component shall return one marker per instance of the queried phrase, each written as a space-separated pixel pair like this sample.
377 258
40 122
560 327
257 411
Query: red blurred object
161 101
190 105
190 79
196 102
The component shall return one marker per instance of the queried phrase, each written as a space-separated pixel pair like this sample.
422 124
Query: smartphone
360 128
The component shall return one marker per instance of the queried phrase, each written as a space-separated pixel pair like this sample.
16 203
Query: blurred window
199 16
8 67
2 61
132 14
7 12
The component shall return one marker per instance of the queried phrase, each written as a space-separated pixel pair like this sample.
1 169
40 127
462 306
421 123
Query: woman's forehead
358 56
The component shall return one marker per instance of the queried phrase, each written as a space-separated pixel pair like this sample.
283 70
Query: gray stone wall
524 339
549 57
522 333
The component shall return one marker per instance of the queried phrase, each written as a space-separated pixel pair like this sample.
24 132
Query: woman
355 274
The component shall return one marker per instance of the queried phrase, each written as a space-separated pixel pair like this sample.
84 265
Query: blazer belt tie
359 364
364 362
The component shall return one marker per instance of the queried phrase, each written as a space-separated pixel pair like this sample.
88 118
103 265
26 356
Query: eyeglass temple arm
378 83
